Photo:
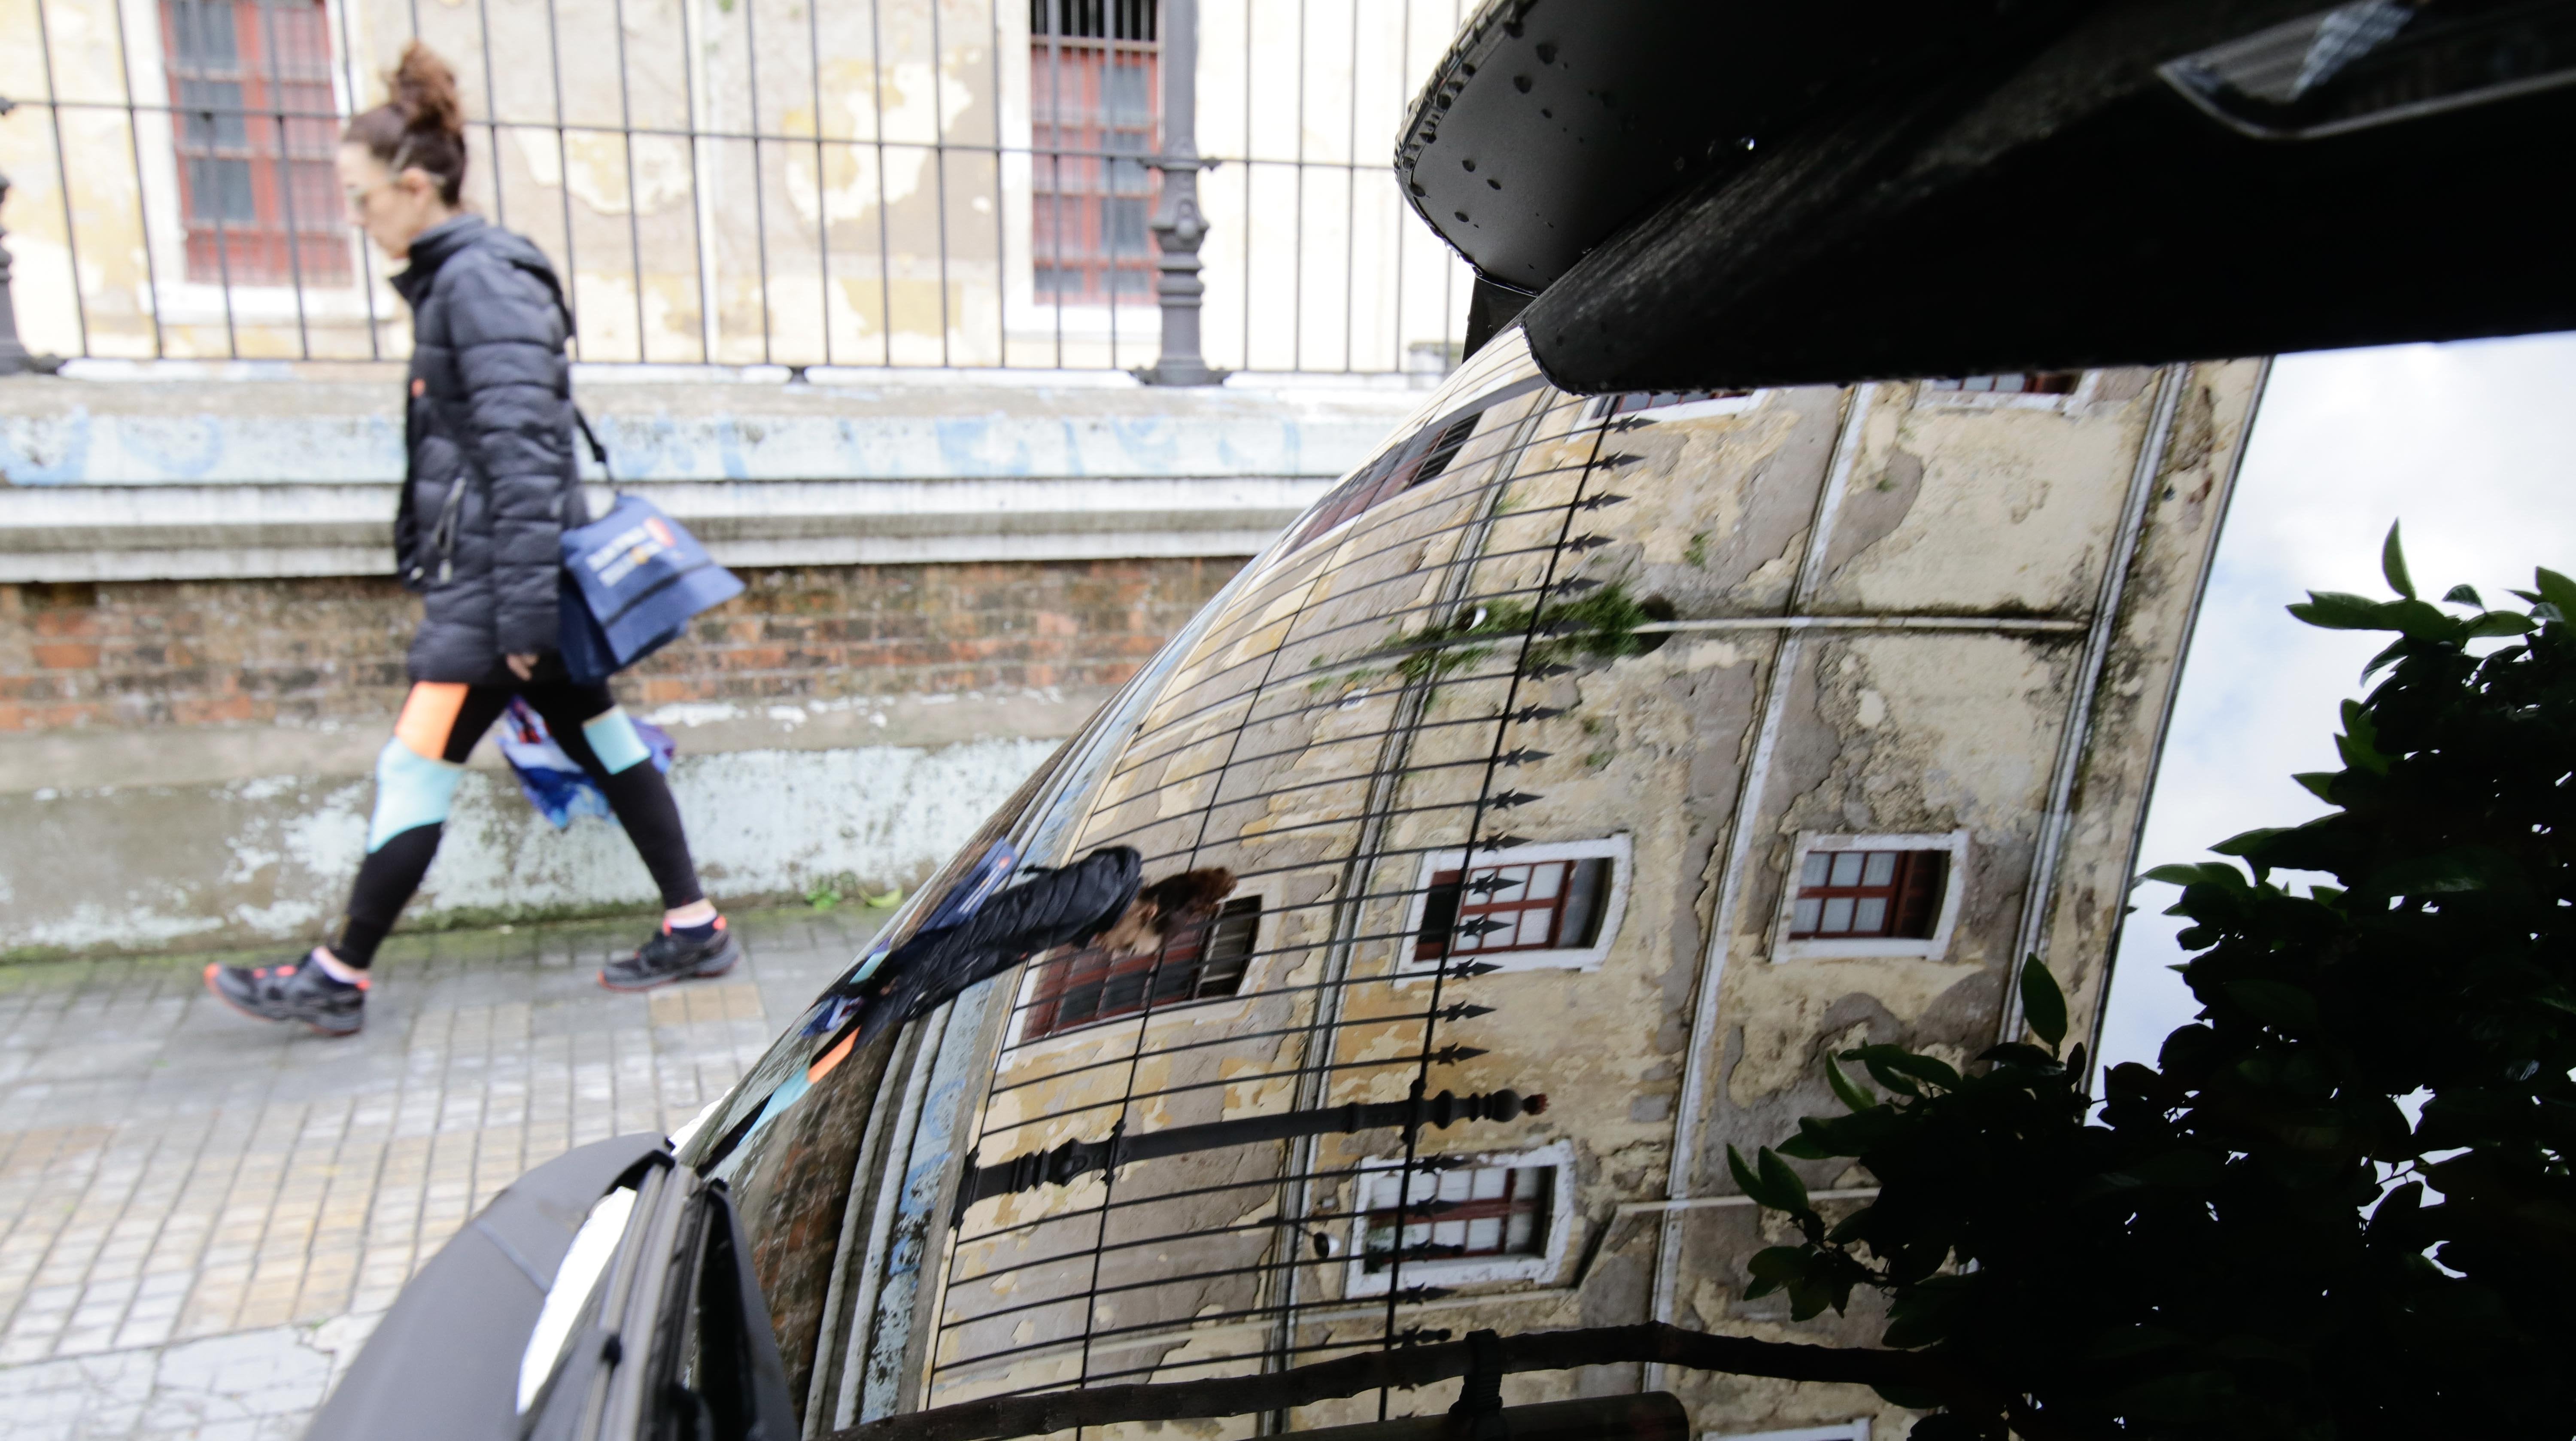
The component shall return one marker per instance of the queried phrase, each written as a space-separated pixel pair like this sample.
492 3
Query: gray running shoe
296 990
668 957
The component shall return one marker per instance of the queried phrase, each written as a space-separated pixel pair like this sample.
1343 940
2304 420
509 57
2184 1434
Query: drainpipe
1179 227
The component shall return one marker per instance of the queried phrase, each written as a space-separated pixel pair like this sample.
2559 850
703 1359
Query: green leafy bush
2339 1206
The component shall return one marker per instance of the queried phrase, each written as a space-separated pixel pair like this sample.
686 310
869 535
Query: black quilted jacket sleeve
1061 907
508 335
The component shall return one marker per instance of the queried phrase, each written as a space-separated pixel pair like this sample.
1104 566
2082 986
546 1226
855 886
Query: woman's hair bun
424 90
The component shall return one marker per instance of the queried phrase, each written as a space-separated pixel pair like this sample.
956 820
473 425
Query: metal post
14 358
1178 226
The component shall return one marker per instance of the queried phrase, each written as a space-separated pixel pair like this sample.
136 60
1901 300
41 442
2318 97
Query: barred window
1472 1211
1857 894
2032 382
1538 906
250 81
1096 107
1636 400
1202 962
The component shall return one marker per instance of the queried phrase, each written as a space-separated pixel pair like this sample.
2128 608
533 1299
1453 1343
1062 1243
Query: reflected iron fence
938 183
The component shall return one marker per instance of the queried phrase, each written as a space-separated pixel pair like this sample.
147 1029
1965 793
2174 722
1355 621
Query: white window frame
1931 948
1466 1270
1856 1429
1689 409
1618 849
2084 394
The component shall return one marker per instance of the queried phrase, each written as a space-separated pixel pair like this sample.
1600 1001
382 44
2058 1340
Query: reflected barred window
1473 1211
1857 894
1197 963
1540 906
2034 382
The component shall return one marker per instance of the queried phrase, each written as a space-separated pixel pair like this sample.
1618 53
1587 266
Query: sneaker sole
318 1028
729 957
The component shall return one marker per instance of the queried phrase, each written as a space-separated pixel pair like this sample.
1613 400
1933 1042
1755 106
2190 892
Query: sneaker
296 990
670 956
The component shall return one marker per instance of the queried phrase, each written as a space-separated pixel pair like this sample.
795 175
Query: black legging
438 729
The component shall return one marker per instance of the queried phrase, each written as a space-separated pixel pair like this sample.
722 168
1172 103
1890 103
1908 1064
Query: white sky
2469 445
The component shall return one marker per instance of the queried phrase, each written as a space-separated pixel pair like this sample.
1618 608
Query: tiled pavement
201 1216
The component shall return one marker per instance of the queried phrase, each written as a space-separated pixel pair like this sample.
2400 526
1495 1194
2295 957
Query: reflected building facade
1632 751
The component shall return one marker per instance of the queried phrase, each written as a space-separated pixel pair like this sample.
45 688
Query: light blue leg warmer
411 791
613 739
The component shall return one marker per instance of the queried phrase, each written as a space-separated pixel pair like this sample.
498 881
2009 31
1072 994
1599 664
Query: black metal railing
762 182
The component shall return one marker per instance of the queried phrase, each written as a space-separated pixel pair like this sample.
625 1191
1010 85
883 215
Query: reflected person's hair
421 125
1187 898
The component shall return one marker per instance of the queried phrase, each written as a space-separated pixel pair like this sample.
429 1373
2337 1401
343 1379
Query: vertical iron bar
563 170
356 241
1248 164
492 115
885 243
1055 159
759 190
285 176
822 195
1297 249
1351 206
1001 212
626 146
939 158
142 208
1179 227
1403 232
707 324
62 174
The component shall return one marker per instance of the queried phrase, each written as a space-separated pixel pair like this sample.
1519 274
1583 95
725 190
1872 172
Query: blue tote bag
631 582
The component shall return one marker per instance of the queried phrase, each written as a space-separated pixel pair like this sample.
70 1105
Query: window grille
1859 894
1197 963
2035 382
1541 906
1477 1211
1636 400
250 81
1095 99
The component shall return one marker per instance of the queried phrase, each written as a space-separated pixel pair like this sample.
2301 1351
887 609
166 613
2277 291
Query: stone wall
304 651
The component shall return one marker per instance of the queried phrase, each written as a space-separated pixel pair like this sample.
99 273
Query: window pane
1813 873
1881 869
1485 1233
1847 868
1544 880
1807 915
1586 883
1870 917
1838 916
1534 927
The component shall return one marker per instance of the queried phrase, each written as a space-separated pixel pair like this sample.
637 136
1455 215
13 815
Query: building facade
1632 751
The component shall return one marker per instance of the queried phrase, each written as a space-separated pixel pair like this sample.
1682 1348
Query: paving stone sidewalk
201 1216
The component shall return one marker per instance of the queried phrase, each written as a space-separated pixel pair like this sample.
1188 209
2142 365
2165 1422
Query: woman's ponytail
422 126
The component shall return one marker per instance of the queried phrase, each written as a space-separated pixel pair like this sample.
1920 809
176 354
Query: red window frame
254 133
1869 895
1095 97
1514 906
2030 382
1447 1213
1203 962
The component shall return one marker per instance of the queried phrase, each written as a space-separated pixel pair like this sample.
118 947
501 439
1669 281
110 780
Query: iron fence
936 183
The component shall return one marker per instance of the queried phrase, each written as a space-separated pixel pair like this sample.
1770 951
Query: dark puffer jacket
488 430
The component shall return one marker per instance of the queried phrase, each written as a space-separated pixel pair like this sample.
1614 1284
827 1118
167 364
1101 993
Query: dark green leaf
1909 1397
2043 1005
2464 595
1747 1182
2276 1003
2494 623
2340 610
2244 842
1853 1094
1782 1182
2392 564
2319 784
2555 589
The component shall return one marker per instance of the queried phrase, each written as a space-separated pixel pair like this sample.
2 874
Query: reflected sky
2471 446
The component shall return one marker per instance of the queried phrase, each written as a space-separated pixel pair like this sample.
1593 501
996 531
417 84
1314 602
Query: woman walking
490 490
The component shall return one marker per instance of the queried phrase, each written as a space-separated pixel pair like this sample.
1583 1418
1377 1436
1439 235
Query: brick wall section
298 651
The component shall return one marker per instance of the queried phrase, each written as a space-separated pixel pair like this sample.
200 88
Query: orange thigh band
427 725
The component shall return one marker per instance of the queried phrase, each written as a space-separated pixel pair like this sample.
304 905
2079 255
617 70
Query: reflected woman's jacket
1063 907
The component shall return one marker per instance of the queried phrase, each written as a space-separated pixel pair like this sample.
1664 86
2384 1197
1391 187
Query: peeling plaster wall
2001 521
